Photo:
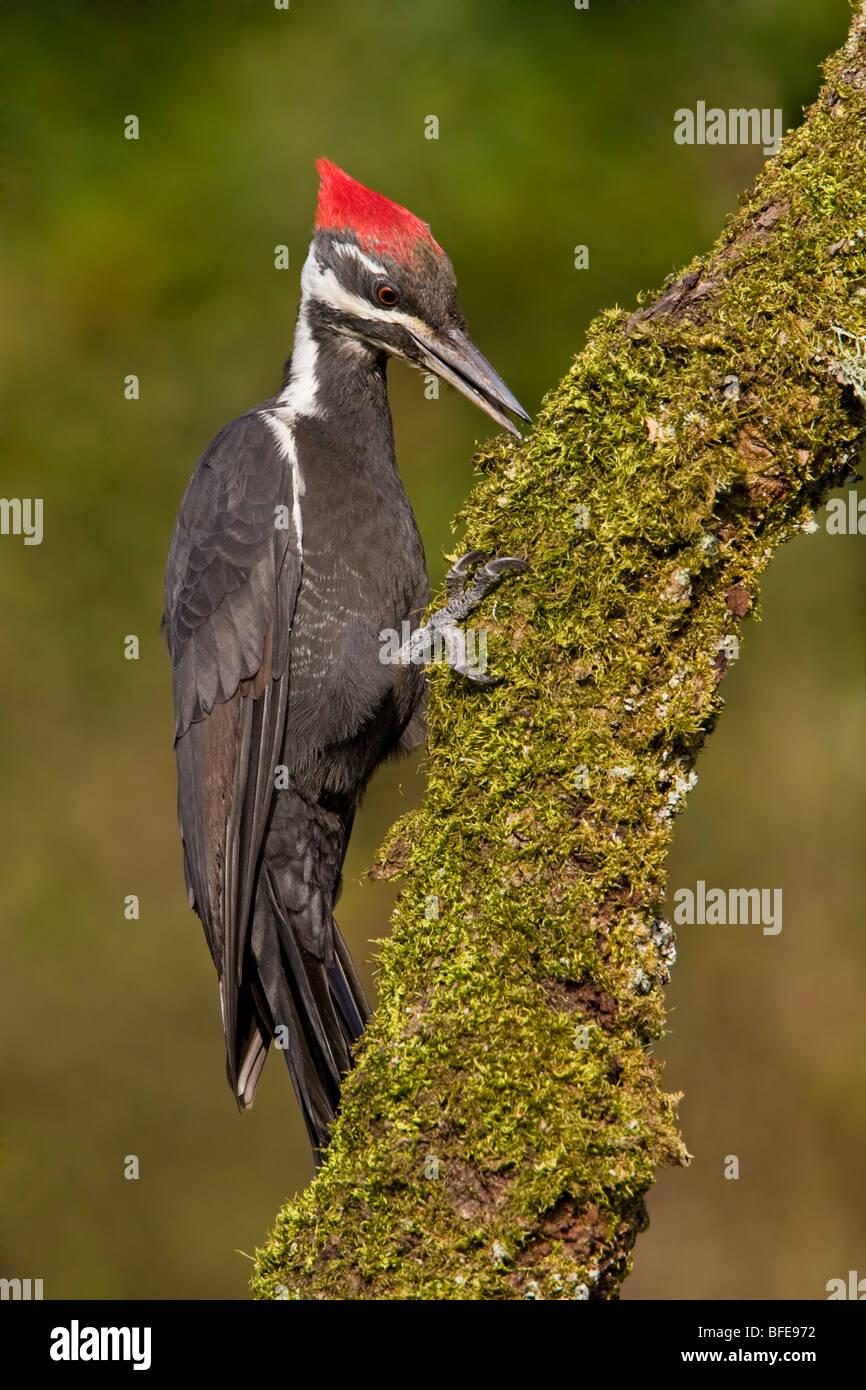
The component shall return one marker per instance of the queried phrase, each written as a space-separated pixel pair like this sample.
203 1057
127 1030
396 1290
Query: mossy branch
505 1118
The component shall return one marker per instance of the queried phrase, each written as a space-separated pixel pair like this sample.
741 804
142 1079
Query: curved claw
459 570
489 575
503 562
470 558
476 676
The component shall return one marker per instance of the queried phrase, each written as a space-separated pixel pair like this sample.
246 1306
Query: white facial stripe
317 283
349 249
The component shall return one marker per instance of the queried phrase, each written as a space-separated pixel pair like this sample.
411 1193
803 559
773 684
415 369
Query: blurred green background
155 257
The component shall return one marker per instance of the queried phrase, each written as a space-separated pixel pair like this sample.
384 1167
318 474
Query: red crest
379 224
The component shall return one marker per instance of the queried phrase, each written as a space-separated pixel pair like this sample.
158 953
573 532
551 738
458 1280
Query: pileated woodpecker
294 549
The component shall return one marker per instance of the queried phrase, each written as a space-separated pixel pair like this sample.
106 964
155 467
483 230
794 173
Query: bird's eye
387 295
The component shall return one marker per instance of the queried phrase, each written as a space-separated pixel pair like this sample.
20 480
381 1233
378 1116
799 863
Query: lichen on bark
505 1117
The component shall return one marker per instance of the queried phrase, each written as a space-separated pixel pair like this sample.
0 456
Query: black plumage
294 550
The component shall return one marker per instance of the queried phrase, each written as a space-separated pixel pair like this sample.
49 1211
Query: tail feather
346 988
320 1007
252 1052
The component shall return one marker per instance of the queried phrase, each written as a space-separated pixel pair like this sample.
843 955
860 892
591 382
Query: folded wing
233 576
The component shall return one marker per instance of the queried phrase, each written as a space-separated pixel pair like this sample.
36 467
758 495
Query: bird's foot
463 600
442 631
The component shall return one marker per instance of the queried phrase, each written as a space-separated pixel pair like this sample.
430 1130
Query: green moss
510 1053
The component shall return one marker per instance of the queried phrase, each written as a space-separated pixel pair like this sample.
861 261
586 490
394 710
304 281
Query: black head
375 274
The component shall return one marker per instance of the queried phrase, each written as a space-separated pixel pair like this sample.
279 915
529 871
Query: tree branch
505 1118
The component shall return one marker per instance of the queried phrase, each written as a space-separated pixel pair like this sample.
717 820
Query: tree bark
505 1118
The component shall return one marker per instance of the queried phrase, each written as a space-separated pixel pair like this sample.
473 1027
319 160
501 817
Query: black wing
232 581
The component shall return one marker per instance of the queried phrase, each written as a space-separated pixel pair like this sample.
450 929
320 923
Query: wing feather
231 588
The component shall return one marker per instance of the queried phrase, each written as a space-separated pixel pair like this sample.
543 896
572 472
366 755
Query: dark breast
363 573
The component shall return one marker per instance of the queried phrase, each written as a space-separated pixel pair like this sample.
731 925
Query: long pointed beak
454 357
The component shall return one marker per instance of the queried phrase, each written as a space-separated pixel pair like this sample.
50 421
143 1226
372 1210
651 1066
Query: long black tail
301 989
